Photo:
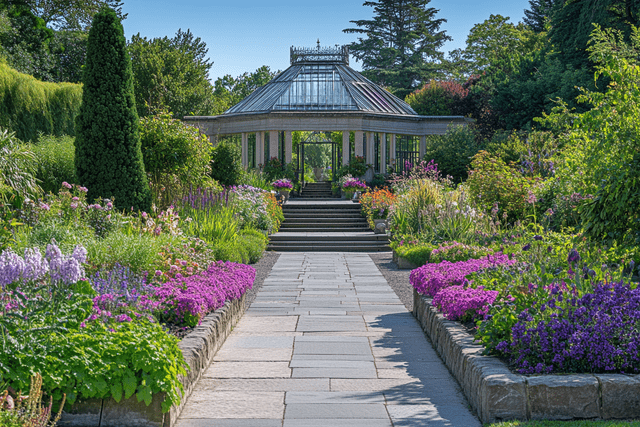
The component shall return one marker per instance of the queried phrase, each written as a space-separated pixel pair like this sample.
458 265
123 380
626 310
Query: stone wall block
504 396
620 396
131 413
83 413
564 397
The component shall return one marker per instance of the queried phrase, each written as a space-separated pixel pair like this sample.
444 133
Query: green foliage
406 215
257 179
213 224
438 98
254 242
228 91
494 183
226 163
538 16
418 254
274 170
602 143
452 152
55 161
357 167
108 158
171 73
400 43
171 147
17 169
29 106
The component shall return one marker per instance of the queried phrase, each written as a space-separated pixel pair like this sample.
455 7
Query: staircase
317 191
313 224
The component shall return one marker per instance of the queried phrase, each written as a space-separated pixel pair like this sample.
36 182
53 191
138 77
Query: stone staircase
330 226
317 191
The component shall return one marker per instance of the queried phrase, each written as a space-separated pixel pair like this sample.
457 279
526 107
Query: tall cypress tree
108 157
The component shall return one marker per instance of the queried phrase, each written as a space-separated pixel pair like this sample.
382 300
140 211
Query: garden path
326 343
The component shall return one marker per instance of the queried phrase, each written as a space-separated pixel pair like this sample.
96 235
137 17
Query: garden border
198 348
497 394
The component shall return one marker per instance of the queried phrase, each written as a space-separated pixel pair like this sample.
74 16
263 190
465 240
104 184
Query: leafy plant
226 166
55 157
28 411
17 169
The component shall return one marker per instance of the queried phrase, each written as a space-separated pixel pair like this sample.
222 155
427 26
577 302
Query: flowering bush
376 204
595 333
282 184
455 251
460 303
353 184
431 278
186 300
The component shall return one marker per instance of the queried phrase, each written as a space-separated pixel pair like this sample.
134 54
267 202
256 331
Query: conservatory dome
320 79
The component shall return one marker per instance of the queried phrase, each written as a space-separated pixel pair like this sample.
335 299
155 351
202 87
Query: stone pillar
245 149
370 149
260 150
423 146
392 151
359 143
288 146
383 153
273 144
213 139
345 147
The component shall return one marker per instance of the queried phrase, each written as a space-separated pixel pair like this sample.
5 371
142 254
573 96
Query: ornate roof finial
318 44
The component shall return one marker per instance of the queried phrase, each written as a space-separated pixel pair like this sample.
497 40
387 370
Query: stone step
310 247
347 214
328 206
333 237
324 229
323 220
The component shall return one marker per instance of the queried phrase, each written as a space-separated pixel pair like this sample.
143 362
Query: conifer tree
108 157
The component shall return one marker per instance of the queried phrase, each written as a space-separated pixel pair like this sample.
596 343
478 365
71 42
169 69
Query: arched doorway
321 153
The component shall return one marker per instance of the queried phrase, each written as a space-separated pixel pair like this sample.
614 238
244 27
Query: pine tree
108 157
539 13
401 44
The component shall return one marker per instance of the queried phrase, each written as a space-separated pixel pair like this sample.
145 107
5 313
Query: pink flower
66 185
158 273
109 205
83 189
75 198
44 206
144 215
74 205
157 231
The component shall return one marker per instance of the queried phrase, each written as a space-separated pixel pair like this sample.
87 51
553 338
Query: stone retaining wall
497 394
198 348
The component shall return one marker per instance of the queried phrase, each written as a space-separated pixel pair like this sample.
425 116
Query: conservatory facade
320 93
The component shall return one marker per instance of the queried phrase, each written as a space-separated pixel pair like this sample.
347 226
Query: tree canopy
400 45
228 91
171 73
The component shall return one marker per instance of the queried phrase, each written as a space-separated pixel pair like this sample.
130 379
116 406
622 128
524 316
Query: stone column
260 149
288 146
392 151
423 146
359 143
370 150
383 153
245 149
213 139
273 144
345 147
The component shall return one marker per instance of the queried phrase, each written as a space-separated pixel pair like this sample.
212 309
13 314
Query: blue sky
243 35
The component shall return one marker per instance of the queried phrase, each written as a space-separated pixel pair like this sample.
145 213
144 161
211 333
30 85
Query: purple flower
537 237
67 185
526 247
574 256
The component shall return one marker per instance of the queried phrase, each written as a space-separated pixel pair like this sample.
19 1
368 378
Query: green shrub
452 152
226 163
55 161
171 147
29 106
108 157
418 254
438 98
255 243
257 179
357 167
493 183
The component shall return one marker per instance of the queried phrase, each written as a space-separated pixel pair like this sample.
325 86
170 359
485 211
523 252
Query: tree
438 98
108 157
400 49
539 14
572 23
228 91
171 73
68 14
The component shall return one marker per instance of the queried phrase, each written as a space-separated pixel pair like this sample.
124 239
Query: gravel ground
397 279
263 268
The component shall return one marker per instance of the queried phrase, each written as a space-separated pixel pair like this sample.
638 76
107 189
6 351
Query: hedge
29 106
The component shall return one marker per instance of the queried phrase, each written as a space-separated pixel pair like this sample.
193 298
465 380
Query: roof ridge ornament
332 55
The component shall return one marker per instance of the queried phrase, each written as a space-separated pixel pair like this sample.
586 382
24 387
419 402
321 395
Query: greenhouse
320 93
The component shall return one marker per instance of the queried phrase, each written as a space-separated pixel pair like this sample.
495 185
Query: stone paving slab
326 343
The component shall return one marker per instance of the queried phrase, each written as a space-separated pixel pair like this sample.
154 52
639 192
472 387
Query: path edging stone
497 394
198 348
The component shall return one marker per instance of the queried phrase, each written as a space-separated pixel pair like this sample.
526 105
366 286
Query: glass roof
321 80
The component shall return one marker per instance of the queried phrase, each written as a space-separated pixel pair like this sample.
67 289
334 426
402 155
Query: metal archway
318 137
